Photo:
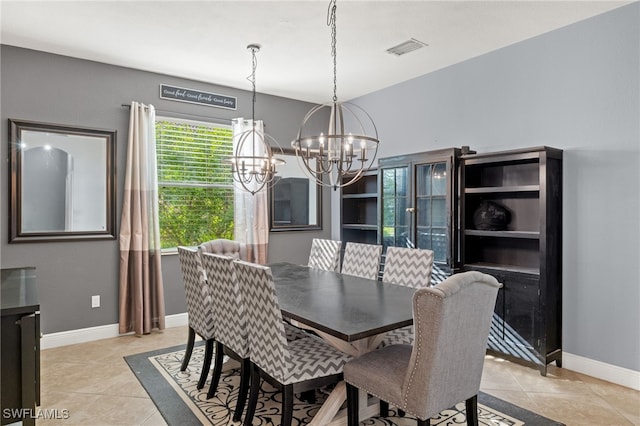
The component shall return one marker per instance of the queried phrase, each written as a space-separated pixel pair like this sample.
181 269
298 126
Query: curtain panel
251 222
141 298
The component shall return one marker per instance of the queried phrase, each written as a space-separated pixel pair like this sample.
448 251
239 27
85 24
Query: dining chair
408 267
229 318
325 254
221 246
230 323
199 309
294 367
224 247
444 365
362 260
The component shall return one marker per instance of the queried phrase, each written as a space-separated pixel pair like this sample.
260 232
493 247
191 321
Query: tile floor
93 382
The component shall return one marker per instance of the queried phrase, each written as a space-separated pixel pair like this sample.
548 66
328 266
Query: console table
20 336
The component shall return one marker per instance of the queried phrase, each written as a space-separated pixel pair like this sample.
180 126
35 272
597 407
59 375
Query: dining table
351 313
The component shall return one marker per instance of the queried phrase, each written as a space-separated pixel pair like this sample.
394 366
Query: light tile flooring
93 382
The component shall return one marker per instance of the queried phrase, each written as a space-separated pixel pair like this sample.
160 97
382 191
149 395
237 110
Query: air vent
406 47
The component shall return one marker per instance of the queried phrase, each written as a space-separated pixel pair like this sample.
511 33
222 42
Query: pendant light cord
331 22
252 79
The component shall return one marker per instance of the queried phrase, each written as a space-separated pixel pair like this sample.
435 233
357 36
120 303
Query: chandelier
344 153
253 163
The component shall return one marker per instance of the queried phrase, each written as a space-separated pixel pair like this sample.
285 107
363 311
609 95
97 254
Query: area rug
180 403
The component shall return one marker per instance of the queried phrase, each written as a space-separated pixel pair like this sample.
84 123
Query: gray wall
56 89
576 88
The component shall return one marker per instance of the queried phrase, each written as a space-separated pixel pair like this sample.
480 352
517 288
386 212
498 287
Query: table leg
331 414
331 406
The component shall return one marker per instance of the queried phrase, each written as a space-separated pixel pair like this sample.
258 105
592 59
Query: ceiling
207 40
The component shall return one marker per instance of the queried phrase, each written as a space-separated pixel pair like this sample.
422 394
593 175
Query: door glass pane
423 212
438 212
388 181
439 181
439 244
424 238
388 211
401 181
423 180
401 211
403 239
388 236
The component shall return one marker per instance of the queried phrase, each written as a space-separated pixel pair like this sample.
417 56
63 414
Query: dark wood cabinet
511 228
359 210
419 203
20 344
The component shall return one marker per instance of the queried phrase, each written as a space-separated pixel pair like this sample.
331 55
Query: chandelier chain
331 21
252 79
349 148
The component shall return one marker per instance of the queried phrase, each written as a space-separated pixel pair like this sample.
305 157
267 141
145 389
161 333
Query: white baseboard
600 370
83 335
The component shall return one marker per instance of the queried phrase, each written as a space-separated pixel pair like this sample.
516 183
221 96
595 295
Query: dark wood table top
347 307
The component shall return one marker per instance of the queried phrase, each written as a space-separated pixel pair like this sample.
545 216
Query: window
195 187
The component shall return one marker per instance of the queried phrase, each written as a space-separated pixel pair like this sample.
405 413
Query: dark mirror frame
292 161
16 232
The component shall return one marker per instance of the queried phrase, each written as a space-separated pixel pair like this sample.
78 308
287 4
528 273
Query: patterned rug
180 403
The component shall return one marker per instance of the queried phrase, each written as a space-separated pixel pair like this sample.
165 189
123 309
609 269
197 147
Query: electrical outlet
95 301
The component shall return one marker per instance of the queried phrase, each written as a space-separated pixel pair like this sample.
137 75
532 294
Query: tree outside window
195 187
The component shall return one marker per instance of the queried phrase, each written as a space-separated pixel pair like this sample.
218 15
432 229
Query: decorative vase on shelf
491 216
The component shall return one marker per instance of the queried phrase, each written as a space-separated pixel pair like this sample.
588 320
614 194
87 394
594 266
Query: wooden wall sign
197 97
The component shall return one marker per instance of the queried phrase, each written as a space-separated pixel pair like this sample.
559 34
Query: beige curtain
141 289
251 222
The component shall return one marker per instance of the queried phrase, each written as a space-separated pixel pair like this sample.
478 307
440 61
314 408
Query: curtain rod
184 114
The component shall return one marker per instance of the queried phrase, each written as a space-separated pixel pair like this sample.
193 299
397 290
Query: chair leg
253 395
217 370
287 405
384 408
187 353
245 376
471 407
401 413
353 414
208 353
426 422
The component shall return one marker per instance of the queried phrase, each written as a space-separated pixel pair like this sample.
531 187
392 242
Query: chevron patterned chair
325 254
295 367
198 308
221 246
362 260
230 323
444 366
409 267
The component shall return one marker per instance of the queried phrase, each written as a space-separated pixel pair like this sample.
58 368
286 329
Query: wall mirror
62 182
295 199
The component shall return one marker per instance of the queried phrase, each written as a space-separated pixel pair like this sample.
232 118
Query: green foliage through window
195 187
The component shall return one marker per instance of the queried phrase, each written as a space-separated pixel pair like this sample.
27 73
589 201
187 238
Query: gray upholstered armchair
225 247
444 365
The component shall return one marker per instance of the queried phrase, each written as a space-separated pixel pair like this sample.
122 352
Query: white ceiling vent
406 47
